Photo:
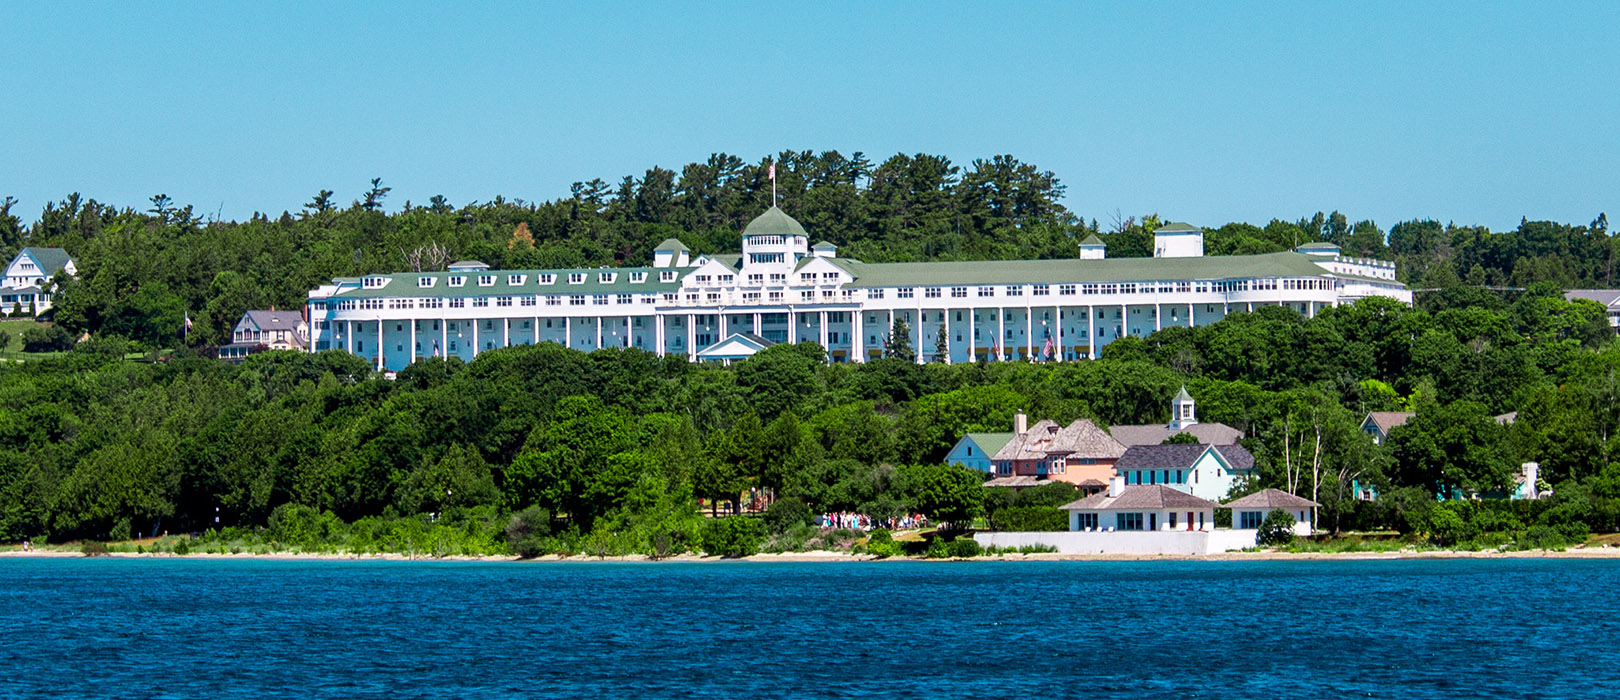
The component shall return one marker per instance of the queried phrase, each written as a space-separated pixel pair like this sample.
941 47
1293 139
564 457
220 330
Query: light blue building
974 450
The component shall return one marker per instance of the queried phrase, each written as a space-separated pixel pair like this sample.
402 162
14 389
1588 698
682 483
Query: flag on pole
1047 350
773 171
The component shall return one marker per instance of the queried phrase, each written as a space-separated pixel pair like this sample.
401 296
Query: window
373 282
807 277
576 278
638 277
1015 290
1041 290
906 292
486 280
547 278
606 277
503 301
425 282
576 300
776 297
515 280
727 279
480 301
751 297
778 278
829 277
527 301
458 303
958 293
874 294
1250 520
553 300
457 280
807 295
931 293
756 279
667 276
599 299
1128 521
703 279
987 291
1066 290
1086 521
624 299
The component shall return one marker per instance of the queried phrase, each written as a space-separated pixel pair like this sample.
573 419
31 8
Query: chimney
1116 486
1532 470
1020 423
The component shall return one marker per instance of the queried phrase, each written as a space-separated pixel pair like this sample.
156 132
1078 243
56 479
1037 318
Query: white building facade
27 282
783 290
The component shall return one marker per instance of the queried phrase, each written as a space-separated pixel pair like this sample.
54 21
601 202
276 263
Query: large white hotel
780 288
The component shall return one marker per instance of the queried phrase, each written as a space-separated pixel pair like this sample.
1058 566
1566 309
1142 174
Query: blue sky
1209 112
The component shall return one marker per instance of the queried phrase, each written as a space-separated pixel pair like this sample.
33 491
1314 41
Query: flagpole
773 183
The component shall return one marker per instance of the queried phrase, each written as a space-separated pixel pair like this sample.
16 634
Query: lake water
159 628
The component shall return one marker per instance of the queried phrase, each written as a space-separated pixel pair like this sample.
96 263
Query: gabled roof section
1093 240
734 346
49 260
1163 457
272 320
1271 498
1386 421
823 245
468 266
1081 438
1606 297
1141 498
671 244
774 222
1178 227
1207 433
989 443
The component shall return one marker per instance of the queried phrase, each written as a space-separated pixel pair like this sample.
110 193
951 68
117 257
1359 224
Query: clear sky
1205 112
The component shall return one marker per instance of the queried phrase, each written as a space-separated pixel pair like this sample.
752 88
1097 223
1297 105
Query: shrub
183 547
526 531
736 536
785 513
965 547
938 548
881 544
1277 528
120 531
46 339
93 549
1447 527
1030 519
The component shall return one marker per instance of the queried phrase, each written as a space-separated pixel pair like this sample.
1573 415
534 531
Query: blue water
165 628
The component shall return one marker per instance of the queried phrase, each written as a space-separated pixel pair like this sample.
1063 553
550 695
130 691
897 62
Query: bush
1030 519
526 531
736 536
46 339
1277 529
965 547
938 548
1447 527
93 549
785 513
881 544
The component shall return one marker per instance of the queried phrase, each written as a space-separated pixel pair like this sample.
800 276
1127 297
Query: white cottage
1250 511
27 282
1126 508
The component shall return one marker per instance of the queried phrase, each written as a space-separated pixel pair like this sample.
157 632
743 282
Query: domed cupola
774 238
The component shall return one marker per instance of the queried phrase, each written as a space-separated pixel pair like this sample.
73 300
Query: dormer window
456 280
486 280
373 282
606 277
425 282
515 280
548 278
829 277
666 276
703 279
727 279
576 278
638 277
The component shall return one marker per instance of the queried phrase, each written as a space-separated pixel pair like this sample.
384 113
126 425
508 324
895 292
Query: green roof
990 443
1178 227
1318 246
774 222
1092 240
671 244
49 260
1183 395
824 246
938 274
404 284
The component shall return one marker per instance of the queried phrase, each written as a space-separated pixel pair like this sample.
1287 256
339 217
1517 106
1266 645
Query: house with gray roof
1075 453
1609 299
1206 471
28 282
1141 507
1378 424
1250 511
258 331
1183 419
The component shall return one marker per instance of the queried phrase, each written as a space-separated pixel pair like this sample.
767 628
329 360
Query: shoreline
845 557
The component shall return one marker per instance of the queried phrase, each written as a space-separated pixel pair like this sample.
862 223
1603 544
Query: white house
1250 511
266 330
974 450
784 290
1124 508
1205 471
27 281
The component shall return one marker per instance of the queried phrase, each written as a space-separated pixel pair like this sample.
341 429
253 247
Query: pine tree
900 342
942 345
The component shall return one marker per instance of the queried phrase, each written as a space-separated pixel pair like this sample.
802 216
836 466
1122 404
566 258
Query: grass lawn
16 326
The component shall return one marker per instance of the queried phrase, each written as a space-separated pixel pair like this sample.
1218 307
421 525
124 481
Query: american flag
1047 350
773 170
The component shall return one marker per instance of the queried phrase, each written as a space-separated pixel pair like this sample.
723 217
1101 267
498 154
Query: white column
380 353
857 348
919 348
1190 315
1029 334
691 336
1000 346
973 335
1058 337
822 326
946 321
506 332
444 337
348 336
658 333
475 338
568 331
413 341
1158 313
756 324
1124 321
598 333
793 326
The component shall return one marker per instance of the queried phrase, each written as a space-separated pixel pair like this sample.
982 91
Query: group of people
860 521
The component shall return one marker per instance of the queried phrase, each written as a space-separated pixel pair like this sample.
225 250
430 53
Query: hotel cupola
774 240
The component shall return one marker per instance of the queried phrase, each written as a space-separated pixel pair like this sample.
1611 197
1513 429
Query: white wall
1144 543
